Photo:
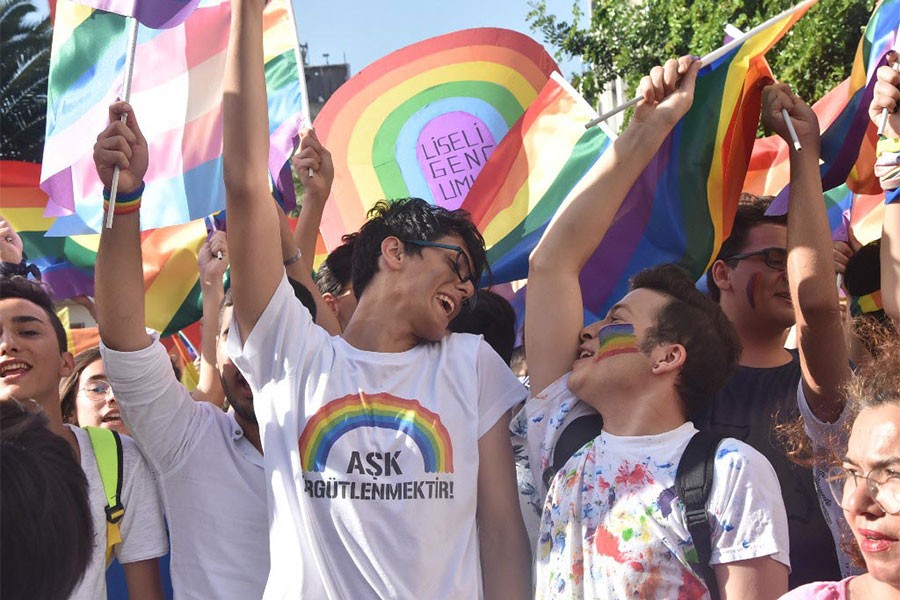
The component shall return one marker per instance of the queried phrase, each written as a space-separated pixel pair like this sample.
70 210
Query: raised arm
824 358
554 314
887 95
256 263
316 159
118 275
212 288
298 271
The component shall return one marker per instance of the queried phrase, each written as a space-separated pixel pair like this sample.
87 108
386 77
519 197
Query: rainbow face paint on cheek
752 287
614 340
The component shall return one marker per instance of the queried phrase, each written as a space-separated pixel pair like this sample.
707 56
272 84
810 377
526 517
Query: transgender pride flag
177 95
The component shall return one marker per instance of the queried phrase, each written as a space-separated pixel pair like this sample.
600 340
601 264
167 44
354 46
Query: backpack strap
576 434
693 484
107 447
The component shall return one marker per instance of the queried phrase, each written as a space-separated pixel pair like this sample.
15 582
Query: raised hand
314 166
121 145
779 96
668 92
11 249
887 95
212 268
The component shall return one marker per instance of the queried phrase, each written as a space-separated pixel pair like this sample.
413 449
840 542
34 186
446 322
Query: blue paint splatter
725 451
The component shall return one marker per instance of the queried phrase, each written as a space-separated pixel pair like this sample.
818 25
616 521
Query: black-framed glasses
882 485
775 258
98 390
460 265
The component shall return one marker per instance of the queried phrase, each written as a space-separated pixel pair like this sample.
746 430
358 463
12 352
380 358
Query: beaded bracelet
125 203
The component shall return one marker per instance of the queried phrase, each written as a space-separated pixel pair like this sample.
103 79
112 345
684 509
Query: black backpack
693 483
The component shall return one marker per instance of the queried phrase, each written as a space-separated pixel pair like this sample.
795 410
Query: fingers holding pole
884 111
791 130
126 96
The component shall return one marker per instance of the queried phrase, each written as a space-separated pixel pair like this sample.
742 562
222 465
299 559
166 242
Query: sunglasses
775 258
460 265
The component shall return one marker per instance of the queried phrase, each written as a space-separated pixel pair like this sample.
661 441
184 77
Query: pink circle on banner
451 150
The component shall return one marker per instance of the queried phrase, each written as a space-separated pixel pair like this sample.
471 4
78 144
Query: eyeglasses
98 390
882 485
460 265
775 258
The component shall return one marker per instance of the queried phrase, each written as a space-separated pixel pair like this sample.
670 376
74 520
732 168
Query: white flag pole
126 96
301 71
709 58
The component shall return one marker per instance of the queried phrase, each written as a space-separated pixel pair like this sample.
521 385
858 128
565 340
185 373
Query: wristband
125 203
293 259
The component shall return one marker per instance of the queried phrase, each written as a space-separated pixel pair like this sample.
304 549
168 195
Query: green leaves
630 38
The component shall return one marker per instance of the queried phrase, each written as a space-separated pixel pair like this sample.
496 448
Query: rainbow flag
424 120
848 135
177 95
536 166
682 206
171 277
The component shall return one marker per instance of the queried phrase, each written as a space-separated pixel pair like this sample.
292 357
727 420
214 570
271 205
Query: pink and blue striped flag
177 95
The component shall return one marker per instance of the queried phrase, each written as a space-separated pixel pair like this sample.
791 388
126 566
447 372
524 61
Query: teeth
585 354
447 302
12 366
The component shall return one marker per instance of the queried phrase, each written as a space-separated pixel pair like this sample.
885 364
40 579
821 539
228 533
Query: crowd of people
361 434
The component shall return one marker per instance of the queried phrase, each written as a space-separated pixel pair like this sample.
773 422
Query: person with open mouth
88 399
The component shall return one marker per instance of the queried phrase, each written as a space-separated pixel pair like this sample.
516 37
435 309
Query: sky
364 31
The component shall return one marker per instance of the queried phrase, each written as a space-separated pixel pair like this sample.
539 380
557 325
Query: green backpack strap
107 447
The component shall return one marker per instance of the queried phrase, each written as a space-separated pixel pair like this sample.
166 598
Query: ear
66 364
392 252
331 301
668 358
721 275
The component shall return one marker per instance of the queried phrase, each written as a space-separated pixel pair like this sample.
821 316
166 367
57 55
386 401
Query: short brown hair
697 323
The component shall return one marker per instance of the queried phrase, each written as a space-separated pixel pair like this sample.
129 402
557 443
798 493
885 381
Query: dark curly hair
411 219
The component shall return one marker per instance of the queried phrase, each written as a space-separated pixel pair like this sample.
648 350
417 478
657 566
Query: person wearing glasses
87 396
33 361
386 450
771 273
864 478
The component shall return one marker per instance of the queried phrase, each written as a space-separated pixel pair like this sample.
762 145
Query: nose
6 341
467 287
588 332
861 500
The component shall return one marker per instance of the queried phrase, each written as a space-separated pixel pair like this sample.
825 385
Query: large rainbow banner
177 95
424 120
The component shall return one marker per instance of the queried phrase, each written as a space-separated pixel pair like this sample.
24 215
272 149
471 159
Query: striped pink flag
155 14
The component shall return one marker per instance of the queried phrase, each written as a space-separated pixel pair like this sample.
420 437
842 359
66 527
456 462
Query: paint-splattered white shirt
612 526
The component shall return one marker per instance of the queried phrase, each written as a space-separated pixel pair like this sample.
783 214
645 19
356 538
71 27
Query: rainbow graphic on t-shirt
614 340
376 410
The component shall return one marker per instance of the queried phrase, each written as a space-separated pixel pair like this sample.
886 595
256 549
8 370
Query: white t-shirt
534 442
142 527
211 478
372 458
612 526
829 441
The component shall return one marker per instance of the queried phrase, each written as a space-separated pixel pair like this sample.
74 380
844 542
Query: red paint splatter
691 586
637 476
607 544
